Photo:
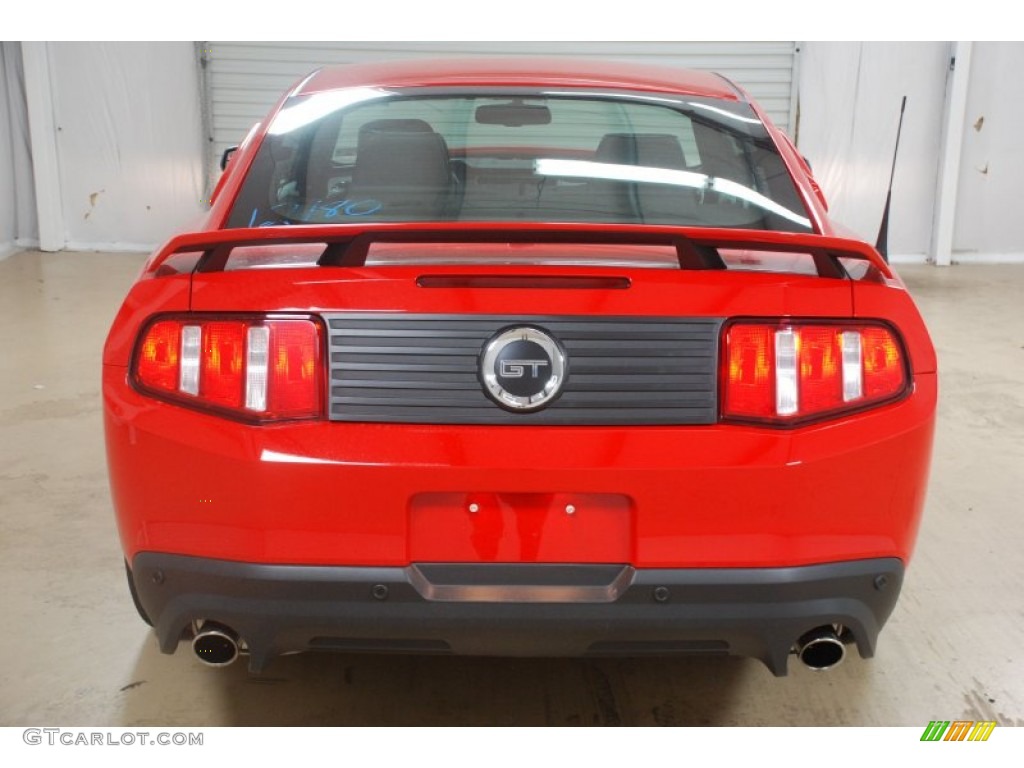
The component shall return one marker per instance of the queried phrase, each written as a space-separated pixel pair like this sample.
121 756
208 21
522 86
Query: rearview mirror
513 115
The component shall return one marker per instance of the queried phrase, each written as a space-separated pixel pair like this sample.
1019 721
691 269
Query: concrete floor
75 653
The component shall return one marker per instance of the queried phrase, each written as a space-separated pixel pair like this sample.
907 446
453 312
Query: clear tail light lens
793 372
260 369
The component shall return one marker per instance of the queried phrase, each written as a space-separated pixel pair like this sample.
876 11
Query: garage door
243 80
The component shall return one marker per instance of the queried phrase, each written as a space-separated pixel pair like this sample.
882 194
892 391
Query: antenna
882 244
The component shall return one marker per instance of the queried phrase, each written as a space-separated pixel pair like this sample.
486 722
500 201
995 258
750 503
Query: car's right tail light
253 368
790 372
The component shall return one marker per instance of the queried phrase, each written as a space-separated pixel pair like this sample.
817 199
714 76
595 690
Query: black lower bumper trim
517 610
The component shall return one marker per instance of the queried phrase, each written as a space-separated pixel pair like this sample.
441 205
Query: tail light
792 372
261 369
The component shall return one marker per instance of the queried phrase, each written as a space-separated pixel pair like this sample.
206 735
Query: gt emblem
514 369
522 369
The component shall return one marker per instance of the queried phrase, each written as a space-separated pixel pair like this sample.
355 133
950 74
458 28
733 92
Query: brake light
220 373
293 375
751 356
157 360
262 369
791 372
883 362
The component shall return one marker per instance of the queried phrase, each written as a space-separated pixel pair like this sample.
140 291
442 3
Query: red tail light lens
156 364
820 379
294 370
260 369
883 363
786 373
750 389
221 381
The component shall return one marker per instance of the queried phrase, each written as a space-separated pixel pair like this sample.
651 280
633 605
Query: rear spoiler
348 245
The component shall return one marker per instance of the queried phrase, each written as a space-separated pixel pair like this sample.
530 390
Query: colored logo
958 730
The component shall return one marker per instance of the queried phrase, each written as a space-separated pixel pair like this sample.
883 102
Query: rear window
368 155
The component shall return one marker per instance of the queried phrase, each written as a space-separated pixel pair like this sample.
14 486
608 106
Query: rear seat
648 202
404 165
520 194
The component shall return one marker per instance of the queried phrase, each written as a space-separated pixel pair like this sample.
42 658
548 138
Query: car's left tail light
259 369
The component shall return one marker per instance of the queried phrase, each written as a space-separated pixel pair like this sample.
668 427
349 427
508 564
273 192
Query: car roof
550 72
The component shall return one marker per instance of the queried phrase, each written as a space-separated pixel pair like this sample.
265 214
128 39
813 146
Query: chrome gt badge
522 369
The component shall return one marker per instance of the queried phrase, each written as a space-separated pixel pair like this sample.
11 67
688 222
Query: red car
518 358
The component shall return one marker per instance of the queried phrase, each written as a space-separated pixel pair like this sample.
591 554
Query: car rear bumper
517 609
333 494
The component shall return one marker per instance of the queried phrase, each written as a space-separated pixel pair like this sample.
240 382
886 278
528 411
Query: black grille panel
423 369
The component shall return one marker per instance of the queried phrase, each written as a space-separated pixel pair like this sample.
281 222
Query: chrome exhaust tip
821 649
215 644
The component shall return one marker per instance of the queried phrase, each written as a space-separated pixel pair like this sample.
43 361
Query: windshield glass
370 155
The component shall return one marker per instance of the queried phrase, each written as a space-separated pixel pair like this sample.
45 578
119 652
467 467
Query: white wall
129 141
990 196
7 193
849 99
849 110
17 190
